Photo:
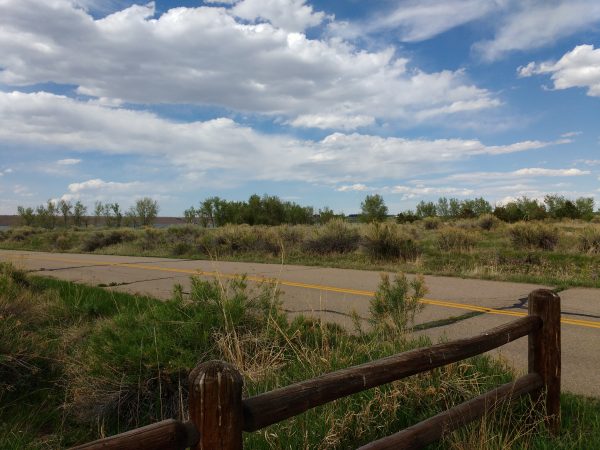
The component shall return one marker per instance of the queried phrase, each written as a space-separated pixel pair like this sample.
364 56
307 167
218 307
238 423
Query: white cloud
520 173
570 134
418 20
68 162
328 121
359 187
48 121
291 15
207 56
578 68
534 24
99 185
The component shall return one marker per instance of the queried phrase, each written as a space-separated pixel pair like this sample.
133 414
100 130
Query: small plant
534 235
386 241
589 240
395 304
336 236
455 240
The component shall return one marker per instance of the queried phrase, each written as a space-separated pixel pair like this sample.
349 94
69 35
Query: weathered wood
215 398
166 435
280 404
432 429
544 351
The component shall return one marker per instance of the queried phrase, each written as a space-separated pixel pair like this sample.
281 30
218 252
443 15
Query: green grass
79 362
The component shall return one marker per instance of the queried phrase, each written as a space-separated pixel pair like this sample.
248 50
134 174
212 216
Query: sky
317 102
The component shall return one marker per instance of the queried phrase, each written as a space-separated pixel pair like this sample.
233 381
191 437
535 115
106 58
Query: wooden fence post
544 350
215 393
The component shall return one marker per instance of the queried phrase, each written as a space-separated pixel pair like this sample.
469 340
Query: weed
336 236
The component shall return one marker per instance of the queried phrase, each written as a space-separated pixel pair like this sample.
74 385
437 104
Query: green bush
386 241
336 236
488 222
589 240
100 239
452 239
534 235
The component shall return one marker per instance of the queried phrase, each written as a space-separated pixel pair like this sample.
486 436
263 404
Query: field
561 253
74 369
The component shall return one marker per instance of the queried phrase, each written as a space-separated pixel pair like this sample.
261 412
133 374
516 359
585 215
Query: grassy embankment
79 362
561 254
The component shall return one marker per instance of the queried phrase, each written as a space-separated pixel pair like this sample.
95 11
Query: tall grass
94 362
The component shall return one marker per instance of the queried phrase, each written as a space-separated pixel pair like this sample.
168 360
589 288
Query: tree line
65 213
524 208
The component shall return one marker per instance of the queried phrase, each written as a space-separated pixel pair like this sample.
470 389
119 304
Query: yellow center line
320 287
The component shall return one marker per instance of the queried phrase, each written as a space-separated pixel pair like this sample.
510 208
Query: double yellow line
320 287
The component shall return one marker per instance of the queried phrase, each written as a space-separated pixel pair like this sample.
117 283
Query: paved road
334 293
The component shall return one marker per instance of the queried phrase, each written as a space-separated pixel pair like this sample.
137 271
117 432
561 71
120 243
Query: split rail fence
219 415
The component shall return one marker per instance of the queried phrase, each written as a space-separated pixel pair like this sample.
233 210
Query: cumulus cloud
578 68
291 15
209 56
46 121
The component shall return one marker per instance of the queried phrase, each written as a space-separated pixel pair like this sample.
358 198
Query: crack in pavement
127 283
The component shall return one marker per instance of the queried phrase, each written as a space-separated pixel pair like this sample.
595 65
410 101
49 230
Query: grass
80 362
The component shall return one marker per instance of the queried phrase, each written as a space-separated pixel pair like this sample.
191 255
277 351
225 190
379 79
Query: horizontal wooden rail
280 404
166 435
432 429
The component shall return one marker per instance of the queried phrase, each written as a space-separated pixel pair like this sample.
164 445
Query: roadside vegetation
79 362
555 242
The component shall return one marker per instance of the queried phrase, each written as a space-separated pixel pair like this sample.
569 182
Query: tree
98 212
190 214
426 209
146 211
585 207
117 214
79 212
454 207
326 214
65 209
373 209
46 215
442 208
26 215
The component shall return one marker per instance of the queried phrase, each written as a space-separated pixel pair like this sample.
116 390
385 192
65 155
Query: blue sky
318 102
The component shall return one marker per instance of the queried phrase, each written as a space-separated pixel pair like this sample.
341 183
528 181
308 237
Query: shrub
62 242
488 221
386 241
99 239
336 236
393 308
22 233
455 239
152 238
534 235
431 223
589 240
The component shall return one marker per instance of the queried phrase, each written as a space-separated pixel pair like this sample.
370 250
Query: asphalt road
335 293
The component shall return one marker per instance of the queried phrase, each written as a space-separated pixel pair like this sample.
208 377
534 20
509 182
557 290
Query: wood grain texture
215 404
280 404
434 428
166 435
544 351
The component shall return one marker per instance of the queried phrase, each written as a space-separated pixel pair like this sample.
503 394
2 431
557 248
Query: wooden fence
219 415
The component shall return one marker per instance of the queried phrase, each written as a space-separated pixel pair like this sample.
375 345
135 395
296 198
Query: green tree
117 214
190 214
98 212
373 209
442 208
585 207
79 212
326 214
26 215
426 209
146 211
66 211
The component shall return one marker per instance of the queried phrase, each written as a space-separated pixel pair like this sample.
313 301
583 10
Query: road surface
335 293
